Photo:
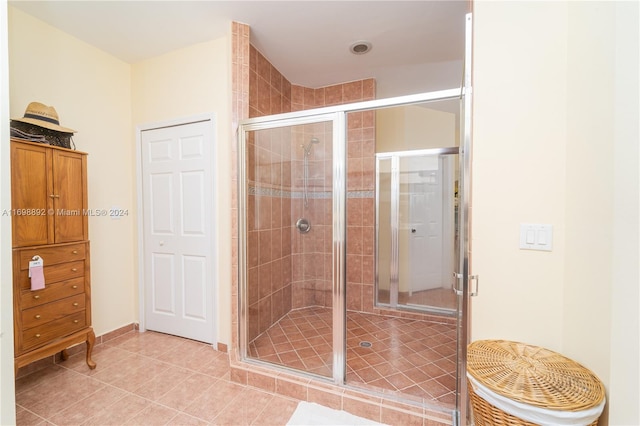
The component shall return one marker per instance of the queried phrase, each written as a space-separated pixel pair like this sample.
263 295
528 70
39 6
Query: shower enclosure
353 251
327 219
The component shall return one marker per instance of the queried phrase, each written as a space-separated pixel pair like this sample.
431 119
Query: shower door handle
475 278
472 278
457 278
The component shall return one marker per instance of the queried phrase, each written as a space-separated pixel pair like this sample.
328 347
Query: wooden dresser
50 221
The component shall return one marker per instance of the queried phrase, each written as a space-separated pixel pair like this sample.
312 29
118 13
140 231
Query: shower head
307 147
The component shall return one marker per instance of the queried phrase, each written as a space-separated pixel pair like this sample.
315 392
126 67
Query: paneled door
177 185
425 223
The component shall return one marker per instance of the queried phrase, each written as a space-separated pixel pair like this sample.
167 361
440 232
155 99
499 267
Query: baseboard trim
54 359
106 337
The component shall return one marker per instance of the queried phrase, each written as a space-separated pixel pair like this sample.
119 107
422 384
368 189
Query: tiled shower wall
269 90
288 269
269 225
312 261
240 53
268 228
360 195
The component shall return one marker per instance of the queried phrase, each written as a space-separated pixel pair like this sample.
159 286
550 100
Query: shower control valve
303 225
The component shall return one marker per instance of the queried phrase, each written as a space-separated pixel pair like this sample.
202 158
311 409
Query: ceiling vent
360 47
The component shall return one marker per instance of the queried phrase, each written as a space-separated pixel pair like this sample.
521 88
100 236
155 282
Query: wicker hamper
530 385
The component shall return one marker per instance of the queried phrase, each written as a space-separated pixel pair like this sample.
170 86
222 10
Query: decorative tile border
273 192
360 194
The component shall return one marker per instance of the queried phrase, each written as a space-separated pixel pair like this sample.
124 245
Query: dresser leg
91 338
64 355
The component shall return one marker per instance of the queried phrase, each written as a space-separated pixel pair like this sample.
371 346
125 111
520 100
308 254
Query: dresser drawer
51 292
43 314
53 255
43 334
54 273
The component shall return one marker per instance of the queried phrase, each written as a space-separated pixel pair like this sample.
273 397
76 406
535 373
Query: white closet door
177 170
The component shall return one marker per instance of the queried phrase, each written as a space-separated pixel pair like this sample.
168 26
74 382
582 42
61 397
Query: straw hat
43 116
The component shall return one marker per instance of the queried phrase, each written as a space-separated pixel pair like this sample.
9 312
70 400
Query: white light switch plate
536 236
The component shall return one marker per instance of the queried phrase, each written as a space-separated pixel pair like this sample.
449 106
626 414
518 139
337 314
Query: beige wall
91 91
589 179
519 158
104 99
404 128
551 91
602 188
191 81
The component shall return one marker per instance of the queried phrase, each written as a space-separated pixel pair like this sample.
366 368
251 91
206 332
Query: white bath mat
310 413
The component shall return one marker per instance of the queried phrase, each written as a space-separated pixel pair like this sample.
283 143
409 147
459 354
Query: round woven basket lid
533 375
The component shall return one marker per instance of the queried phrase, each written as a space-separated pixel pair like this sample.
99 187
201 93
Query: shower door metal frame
338 227
337 114
463 275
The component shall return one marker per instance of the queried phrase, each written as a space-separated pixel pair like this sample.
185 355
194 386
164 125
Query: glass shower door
287 283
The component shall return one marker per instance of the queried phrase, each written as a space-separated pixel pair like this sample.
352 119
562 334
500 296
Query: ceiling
418 46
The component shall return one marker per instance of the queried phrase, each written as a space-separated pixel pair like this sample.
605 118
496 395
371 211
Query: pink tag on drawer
36 272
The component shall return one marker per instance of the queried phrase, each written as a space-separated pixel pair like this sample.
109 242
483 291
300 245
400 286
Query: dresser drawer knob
75 304
75 321
36 297
37 336
74 287
74 269
38 316
75 252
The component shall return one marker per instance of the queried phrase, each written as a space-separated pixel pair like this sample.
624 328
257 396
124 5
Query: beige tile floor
146 379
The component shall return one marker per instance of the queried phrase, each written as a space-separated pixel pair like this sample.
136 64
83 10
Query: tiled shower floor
408 357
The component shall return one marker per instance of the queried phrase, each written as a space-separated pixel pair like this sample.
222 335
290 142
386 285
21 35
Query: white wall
7 384
91 91
553 82
187 82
